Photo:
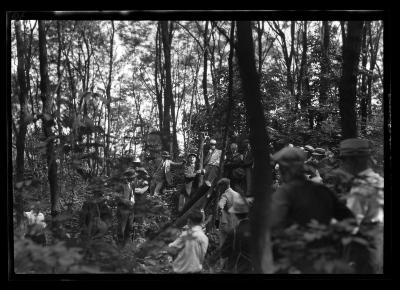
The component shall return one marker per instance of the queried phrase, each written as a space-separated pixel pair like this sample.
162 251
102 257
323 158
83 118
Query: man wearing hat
125 207
190 174
163 173
362 190
237 245
299 200
211 163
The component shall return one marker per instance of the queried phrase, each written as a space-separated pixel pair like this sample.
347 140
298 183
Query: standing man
237 246
211 163
163 173
363 193
190 174
228 221
299 200
125 207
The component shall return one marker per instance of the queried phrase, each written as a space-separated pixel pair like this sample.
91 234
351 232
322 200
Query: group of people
350 191
311 186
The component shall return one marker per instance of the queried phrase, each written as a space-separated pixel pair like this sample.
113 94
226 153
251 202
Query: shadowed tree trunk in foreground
47 119
262 254
348 81
22 128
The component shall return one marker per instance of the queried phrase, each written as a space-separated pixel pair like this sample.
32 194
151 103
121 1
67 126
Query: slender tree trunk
108 95
324 76
205 54
374 47
303 82
168 86
363 93
348 81
47 119
262 254
260 31
158 90
58 93
22 128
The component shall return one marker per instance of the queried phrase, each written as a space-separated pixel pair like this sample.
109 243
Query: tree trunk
108 96
348 81
262 254
303 82
229 111
363 92
205 54
260 31
374 47
168 86
158 90
325 68
21 133
47 119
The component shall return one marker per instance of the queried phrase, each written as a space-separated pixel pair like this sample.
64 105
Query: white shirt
193 244
35 218
228 220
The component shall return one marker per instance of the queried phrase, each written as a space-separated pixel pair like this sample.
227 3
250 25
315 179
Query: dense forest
90 97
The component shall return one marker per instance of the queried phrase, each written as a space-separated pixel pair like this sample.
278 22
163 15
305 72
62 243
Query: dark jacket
237 249
301 200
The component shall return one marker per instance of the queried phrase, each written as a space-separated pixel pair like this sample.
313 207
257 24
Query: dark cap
355 147
289 156
129 172
192 154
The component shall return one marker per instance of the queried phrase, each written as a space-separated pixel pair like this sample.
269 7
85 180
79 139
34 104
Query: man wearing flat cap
362 190
299 200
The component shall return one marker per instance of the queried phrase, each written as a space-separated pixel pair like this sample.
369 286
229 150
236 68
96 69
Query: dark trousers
125 219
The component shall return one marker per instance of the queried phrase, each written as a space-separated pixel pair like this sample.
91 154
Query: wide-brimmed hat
165 154
212 141
239 206
289 156
355 147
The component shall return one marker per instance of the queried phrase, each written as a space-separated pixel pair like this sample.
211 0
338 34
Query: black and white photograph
198 143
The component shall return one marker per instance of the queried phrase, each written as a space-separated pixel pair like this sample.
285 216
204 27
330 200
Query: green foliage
316 248
30 258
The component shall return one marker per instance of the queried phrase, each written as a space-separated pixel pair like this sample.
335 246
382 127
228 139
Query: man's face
233 148
192 159
212 146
